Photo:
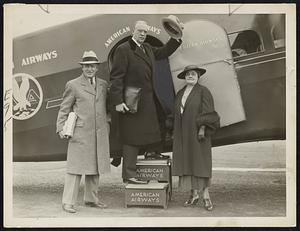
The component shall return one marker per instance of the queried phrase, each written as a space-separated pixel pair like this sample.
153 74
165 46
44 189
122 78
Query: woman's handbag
132 97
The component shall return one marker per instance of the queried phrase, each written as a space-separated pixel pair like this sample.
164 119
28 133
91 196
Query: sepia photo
169 115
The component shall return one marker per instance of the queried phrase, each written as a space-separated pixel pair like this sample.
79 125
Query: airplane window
277 30
278 34
244 43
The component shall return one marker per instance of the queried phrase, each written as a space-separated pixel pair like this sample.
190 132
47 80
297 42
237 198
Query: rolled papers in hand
68 128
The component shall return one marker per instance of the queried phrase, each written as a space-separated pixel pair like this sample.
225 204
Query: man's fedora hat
173 26
89 57
199 70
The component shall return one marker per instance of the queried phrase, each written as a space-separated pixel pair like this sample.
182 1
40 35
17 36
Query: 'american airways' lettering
116 35
150 197
39 58
124 30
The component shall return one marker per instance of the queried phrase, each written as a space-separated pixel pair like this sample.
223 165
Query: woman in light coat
195 122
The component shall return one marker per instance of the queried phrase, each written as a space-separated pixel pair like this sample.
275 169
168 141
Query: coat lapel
150 57
178 104
139 52
87 86
101 88
98 88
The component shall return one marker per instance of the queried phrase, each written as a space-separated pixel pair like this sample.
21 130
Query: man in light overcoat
88 148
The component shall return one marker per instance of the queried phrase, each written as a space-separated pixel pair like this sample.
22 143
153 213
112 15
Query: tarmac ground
249 180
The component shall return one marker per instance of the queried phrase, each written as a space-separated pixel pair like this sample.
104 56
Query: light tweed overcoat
88 149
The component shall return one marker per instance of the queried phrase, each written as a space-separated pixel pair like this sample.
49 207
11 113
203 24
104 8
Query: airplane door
163 85
206 44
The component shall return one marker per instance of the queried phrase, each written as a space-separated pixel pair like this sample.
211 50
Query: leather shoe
69 208
155 156
208 204
136 181
100 204
116 161
191 201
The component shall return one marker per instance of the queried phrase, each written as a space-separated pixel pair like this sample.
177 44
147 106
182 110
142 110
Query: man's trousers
130 154
71 188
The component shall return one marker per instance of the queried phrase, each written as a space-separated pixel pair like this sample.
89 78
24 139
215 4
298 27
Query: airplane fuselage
51 58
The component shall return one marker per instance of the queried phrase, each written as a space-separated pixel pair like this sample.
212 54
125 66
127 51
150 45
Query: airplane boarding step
159 170
159 188
151 194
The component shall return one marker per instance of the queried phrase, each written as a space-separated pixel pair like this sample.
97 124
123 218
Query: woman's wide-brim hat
173 26
199 70
89 57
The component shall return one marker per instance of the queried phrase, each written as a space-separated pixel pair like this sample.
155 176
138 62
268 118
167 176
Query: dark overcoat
191 156
132 67
88 149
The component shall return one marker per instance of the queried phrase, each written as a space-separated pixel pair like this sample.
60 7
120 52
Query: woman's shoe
208 204
191 201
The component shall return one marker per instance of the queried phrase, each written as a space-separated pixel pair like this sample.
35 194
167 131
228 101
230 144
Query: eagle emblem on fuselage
27 96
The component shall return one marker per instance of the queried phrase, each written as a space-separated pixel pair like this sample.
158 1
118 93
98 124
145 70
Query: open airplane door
206 44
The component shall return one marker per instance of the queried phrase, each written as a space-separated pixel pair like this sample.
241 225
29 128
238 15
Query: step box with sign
147 195
155 170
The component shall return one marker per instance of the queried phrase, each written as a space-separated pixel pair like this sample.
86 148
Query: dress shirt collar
93 79
138 44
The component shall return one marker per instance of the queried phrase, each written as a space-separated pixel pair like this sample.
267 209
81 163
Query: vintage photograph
149 115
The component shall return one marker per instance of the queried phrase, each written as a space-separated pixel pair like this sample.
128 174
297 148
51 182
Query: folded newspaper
68 128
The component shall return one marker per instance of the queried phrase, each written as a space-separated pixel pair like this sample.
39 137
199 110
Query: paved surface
37 187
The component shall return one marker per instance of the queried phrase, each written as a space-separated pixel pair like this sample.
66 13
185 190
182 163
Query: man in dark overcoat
133 65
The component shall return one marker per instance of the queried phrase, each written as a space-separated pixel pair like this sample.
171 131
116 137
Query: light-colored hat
141 25
199 70
173 26
89 57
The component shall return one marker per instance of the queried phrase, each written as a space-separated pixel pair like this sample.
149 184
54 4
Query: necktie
143 49
91 81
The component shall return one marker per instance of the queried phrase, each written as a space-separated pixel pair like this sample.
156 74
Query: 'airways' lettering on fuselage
39 58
